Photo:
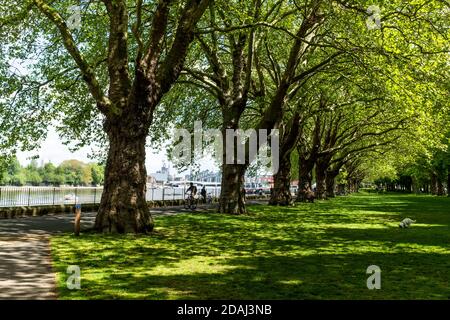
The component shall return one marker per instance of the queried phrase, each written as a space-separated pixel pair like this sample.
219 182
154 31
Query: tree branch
103 103
119 77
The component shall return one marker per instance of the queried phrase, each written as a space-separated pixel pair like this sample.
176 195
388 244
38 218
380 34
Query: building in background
205 176
159 178
163 177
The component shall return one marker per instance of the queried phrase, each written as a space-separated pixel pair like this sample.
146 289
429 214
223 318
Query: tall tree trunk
305 168
358 184
330 185
304 178
414 185
320 183
232 193
448 181
434 184
281 194
123 207
232 196
352 186
321 175
440 187
330 182
409 185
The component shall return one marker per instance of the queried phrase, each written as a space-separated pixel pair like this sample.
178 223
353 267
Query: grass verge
310 251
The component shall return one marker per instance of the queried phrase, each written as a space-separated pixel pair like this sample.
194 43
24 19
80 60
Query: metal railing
39 196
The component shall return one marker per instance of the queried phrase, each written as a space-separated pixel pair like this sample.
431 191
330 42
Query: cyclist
192 189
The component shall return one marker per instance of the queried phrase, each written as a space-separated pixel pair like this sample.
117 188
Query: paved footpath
25 259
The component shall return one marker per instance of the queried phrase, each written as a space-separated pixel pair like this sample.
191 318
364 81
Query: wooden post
77 219
29 195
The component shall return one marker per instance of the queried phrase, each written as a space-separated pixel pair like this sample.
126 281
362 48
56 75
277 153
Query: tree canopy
354 88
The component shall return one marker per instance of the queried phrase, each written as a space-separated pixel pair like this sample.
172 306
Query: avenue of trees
352 92
69 172
429 174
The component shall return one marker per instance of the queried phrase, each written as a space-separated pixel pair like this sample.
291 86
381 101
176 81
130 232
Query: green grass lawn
311 251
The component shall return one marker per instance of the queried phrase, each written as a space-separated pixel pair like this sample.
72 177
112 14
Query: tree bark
232 193
232 196
352 186
409 185
440 187
281 194
356 185
321 175
320 183
304 178
123 207
306 162
448 181
330 183
415 187
434 184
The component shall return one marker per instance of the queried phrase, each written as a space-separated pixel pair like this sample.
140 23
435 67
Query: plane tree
379 59
237 59
410 67
125 54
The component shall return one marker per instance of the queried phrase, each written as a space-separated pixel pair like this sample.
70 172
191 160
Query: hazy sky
54 151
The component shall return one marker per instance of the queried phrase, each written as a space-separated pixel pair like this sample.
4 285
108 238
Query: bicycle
190 202
209 198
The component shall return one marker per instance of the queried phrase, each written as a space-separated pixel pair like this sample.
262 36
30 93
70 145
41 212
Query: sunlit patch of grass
310 251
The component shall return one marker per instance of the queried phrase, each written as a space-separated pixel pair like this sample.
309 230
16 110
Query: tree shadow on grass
255 265
404 276
424 236
303 252
404 205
